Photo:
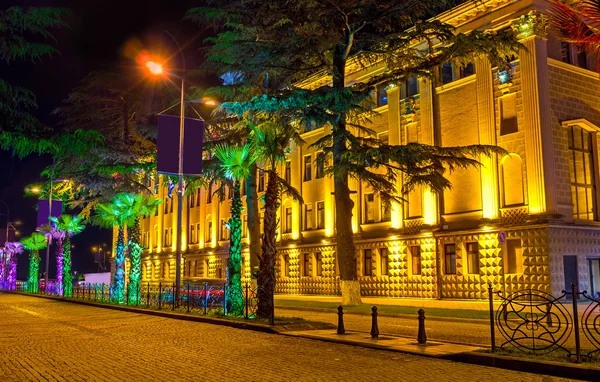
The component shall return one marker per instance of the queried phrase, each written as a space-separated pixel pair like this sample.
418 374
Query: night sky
97 32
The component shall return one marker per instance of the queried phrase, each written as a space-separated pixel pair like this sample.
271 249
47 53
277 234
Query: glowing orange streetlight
154 67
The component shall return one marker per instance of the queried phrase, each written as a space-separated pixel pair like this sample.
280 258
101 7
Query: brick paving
50 340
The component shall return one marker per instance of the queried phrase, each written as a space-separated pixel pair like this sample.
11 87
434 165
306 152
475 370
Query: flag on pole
170 189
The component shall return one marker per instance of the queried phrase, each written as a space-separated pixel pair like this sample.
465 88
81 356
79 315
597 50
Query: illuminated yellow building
528 219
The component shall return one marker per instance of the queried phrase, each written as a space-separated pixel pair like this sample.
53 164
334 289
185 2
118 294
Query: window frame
308 208
367 265
450 259
307 165
416 268
472 257
320 215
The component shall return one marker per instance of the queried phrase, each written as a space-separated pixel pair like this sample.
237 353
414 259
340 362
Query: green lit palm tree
108 215
70 225
236 164
138 206
34 243
272 137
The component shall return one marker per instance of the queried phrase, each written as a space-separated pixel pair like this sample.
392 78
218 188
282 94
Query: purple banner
167 161
44 211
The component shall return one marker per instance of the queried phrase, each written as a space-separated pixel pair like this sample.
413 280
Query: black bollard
374 328
340 328
421 337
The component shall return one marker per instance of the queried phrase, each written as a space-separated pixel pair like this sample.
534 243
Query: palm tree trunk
34 268
119 280
67 281
266 273
59 265
12 271
235 294
135 269
345 241
253 218
3 262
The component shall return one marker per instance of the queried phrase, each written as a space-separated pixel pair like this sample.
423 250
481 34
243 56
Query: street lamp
156 69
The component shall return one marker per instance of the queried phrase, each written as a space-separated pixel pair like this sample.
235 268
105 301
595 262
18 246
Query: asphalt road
46 340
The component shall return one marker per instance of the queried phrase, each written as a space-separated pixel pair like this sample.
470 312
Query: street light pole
180 177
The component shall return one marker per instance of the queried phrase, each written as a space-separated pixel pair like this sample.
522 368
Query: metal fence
194 299
536 322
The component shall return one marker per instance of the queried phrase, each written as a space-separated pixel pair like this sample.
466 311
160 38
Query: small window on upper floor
382 97
508 114
565 52
410 87
447 73
582 59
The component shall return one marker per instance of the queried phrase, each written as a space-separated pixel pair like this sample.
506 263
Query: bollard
492 327
374 328
421 337
340 328
575 295
549 315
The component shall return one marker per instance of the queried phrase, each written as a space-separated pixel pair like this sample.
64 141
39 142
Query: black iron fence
536 322
203 299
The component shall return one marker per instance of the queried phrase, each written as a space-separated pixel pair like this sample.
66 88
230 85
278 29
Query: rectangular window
473 258
245 226
243 188
261 180
382 97
197 232
410 87
167 205
508 114
155 236
581 165
565 52
386 211
320 215
450 259
447 73
206 266
198 197
192 234
582 59
288 171
166 238
209 230
319 263
308 217
171 205
468 70
367 262
415 260
384 261
209 196
306 264
224 230
288 220
191 201
514 257
307 168
286 265
320 166
369 208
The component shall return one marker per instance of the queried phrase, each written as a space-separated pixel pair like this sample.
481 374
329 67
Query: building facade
527 219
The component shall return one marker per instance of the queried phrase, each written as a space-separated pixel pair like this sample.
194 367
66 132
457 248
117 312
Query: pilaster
430 204
393 94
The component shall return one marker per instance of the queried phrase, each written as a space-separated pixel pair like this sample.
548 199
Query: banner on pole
167 161
44 211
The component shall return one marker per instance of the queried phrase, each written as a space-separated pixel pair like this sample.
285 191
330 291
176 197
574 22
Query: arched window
512 180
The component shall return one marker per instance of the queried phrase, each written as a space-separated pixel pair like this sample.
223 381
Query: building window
320 215
468 70
230 192
367 262
508 114
410 87
415 260
473 258
209 230
243 188
261 180
319 263
245 226
384 261
155 244
565 52
209 196
382 97
320 165
369 208
450 259
191 201
287 228
166 238
198 197
167 200
307 168
308 217
306 264
514 257
192 234
582 59
386 211
224 230
447 73
206 267
288 171
286 265
581 164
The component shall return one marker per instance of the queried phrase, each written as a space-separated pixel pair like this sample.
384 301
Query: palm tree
577 23
3 262
273 138
236 164
34 243
70 225
139 206
108 215
12 249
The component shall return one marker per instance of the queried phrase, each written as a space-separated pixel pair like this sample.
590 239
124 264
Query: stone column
393 94
487 136
532 30
430 204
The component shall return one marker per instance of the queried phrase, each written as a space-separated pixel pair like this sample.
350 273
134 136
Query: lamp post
157 69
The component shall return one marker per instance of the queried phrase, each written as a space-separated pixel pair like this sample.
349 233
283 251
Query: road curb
178 316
